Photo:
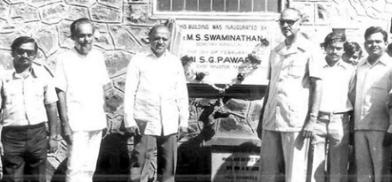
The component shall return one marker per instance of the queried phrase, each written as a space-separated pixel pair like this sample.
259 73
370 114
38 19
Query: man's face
354 58
289 22
84 38
24 55
375 44
159 39
334 51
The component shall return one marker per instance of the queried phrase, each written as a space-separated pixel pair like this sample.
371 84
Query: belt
328 115
25 127
333 113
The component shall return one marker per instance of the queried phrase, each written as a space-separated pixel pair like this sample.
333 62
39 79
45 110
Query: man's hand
307 131
387 139
67 134
133 131
1 149
182 131
54 143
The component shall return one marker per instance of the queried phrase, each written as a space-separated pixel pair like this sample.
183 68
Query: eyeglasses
289 22
23 51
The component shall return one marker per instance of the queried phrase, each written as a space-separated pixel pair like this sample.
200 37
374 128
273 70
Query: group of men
305 121
311 99
33 100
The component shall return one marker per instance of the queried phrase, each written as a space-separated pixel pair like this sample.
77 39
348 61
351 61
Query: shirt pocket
12 92
379 93
296 69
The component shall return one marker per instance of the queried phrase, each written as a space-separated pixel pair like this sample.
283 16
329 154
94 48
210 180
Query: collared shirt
372 87
290 71
23 97
336 82
156 97
82 78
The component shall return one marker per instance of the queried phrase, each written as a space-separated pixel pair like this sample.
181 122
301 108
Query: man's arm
388 134
182 100
259 129
51 112
131 84
314 104
63 114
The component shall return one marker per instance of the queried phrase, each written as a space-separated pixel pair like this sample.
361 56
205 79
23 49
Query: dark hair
156 27
76 23
375 29
389 49
22 40
351 47
333 37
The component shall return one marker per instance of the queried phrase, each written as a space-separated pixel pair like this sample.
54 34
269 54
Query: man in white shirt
372 121
291 103
332 127
28 100
155 106
81 80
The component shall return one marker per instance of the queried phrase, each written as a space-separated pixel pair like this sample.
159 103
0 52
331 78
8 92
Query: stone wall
122 27
353 15
121 31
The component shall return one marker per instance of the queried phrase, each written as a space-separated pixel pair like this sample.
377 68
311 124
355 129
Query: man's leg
295 151
363 157
83 155
338 149
318 171
14 147
380 156
142 159
271 159
37 146
167 150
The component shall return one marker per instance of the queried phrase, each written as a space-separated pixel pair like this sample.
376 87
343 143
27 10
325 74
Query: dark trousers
25 149
143 165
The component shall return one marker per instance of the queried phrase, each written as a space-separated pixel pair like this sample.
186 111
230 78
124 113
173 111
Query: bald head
290 22
159 36
159 27
290 12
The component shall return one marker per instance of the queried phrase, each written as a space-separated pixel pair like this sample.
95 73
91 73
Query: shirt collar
150 53
340 63
31 72
384 59
300 44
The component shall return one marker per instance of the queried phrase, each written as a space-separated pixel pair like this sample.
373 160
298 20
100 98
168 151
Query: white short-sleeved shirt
290 70
24 97
82 78
336 82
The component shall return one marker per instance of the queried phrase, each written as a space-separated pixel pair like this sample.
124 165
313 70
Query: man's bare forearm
51 112
315 96
62 108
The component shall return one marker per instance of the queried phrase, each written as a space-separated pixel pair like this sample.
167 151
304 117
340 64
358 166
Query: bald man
291 104
156 107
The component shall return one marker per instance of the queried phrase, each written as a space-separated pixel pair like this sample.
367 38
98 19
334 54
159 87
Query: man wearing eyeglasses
291 104
28 101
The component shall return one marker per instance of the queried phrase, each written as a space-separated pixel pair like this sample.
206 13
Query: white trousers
284 157
83 156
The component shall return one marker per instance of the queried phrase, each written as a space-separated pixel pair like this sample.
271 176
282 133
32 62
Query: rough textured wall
121 26
122 31
353 15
